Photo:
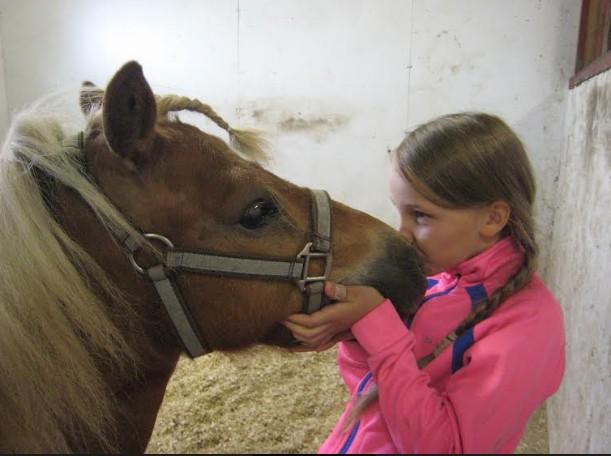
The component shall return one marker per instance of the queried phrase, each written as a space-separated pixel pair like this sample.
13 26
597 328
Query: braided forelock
247 141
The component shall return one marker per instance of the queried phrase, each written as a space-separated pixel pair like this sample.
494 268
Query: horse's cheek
234 312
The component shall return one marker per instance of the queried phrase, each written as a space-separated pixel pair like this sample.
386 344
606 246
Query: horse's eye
258 214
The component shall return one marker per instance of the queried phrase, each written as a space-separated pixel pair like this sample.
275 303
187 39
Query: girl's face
444 237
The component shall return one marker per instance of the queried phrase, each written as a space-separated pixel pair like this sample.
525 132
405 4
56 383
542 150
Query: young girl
485 348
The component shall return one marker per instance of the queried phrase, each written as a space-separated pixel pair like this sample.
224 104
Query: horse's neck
140 406
139 398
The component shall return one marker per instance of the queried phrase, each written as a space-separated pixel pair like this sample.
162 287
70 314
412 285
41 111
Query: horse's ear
90 97
129 112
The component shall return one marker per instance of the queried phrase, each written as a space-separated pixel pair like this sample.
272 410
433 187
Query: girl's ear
495 219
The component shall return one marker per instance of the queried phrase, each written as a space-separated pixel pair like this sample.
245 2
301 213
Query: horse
137 238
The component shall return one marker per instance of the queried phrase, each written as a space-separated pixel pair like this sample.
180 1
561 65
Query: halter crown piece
294 270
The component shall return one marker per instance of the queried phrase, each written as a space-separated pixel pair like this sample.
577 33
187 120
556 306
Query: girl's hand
324 328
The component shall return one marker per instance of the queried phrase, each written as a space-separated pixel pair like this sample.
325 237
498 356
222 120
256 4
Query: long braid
248 141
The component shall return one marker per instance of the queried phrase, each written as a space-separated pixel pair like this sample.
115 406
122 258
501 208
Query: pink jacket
478 395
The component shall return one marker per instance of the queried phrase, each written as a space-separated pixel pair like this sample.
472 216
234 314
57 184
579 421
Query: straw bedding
264 400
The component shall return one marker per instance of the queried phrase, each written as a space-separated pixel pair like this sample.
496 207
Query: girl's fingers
305 334
336 291
324 316
296 328
318 318
299 319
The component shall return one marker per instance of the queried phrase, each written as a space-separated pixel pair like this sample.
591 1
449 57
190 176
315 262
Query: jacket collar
498 263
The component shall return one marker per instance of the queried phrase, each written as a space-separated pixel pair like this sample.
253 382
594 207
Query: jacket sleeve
485 405
352 362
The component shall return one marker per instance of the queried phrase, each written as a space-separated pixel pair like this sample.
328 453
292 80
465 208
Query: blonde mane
50 386
52 393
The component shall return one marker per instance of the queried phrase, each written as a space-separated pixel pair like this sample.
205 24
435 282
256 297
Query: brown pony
87 345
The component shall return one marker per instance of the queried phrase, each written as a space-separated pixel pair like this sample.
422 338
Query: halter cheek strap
320 247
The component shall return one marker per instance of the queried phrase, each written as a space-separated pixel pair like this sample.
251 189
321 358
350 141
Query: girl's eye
258 214
419 216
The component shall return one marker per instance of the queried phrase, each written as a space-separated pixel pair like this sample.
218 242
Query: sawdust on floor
264 400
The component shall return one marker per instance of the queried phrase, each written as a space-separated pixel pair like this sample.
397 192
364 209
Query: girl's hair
468 160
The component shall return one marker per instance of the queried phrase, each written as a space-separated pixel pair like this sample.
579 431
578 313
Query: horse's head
171 179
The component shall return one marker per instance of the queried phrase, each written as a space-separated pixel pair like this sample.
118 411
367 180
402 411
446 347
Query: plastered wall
4 119
336 83
580 273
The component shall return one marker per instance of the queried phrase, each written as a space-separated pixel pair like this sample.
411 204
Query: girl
485 348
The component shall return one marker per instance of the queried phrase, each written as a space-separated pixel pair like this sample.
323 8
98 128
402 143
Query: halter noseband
294 270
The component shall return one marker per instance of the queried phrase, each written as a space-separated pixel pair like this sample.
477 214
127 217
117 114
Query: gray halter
293 269
296 269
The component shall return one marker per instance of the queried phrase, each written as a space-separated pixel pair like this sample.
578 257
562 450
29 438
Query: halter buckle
307 253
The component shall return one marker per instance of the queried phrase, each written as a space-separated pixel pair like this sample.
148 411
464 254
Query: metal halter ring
157 237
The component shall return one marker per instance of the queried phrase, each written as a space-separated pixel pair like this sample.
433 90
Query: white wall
335 82
513 58
581 236
4 120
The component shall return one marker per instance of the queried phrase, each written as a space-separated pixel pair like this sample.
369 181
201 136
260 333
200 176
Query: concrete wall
336 84
580 273
4 119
